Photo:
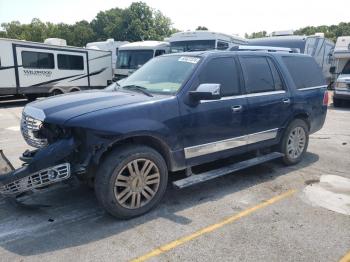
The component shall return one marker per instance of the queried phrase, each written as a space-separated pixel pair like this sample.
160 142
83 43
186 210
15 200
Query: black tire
31 97
337 102
56 92
288 159
112 167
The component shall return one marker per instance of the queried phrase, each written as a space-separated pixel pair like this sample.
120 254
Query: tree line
331 32
134 23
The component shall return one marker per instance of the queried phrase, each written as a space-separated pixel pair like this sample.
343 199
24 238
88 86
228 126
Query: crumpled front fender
44 158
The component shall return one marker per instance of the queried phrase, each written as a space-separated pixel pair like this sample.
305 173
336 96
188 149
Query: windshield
196 45
346 69
164 75
133 59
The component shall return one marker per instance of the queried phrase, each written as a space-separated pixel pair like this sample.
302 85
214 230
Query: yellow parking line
346 258
211 228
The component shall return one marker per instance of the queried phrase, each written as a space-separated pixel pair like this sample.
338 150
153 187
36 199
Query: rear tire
294 142
131 181
56 92
337 102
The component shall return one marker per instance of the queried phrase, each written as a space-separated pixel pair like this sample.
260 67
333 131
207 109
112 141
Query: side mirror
206 92
332 69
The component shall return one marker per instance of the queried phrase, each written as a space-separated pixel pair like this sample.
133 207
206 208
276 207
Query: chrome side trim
230 143
262 136
247 95
312 87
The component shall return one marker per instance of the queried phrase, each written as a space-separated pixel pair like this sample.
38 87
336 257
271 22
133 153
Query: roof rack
263 48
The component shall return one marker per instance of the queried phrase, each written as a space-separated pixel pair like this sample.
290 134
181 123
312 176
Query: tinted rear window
257 74
304 71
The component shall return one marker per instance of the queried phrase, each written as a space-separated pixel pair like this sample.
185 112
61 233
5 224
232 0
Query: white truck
202 40
108 45
341 70
132 56
39 69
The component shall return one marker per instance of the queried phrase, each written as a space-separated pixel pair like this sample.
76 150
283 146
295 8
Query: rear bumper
43 167
344 95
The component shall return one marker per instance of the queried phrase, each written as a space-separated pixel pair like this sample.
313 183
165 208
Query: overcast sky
232 17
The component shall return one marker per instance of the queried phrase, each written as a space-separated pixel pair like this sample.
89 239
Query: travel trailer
341 70
132 56
316 45
40 69
202 40
108 45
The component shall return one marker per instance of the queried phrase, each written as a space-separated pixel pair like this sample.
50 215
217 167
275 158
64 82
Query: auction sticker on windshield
189 59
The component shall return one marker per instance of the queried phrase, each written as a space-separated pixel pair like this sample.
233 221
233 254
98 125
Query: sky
231 17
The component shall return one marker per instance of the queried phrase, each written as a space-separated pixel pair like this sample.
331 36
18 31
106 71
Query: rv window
70 62
297 66
159 52
346 69
257 74
222 45
222 71
37 60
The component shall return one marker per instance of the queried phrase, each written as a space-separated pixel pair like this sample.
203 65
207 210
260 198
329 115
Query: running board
202 177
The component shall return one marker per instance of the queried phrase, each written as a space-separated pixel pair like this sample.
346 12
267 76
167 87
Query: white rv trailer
202 40
341 53
341 70
132 56
38 69
108 45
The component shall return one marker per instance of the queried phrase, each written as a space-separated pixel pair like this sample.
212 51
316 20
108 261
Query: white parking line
13 128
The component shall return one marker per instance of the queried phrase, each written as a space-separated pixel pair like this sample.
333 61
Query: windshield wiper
139 89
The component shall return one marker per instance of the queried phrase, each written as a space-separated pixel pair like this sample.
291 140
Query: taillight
325 98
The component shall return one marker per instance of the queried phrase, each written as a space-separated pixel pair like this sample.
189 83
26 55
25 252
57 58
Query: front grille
39 179
30 128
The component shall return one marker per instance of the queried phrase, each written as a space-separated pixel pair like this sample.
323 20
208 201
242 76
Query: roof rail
263 48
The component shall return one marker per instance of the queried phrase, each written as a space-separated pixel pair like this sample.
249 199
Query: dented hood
59 109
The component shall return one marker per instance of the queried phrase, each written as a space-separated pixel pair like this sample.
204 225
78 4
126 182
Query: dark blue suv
176 112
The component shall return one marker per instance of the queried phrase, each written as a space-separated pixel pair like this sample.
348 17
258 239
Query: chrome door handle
236 108
286 101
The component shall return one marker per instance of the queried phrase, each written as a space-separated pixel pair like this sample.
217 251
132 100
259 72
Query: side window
37 60
222 45
276 76
305 71
159 52
257 74
70 62
222 71
116 51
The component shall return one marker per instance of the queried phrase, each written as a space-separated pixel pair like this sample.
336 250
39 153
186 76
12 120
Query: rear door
269 103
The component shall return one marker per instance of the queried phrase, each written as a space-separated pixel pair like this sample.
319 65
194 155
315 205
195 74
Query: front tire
294 142
131 181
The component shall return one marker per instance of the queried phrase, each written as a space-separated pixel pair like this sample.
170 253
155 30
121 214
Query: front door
212 128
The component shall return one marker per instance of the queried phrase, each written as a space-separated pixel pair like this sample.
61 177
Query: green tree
203 28
256 34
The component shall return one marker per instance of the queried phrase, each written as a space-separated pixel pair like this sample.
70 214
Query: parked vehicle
202 40
39 69
316 45
176 112
134 55
108 45
341 70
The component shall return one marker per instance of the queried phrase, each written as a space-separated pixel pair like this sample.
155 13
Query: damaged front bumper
42 167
